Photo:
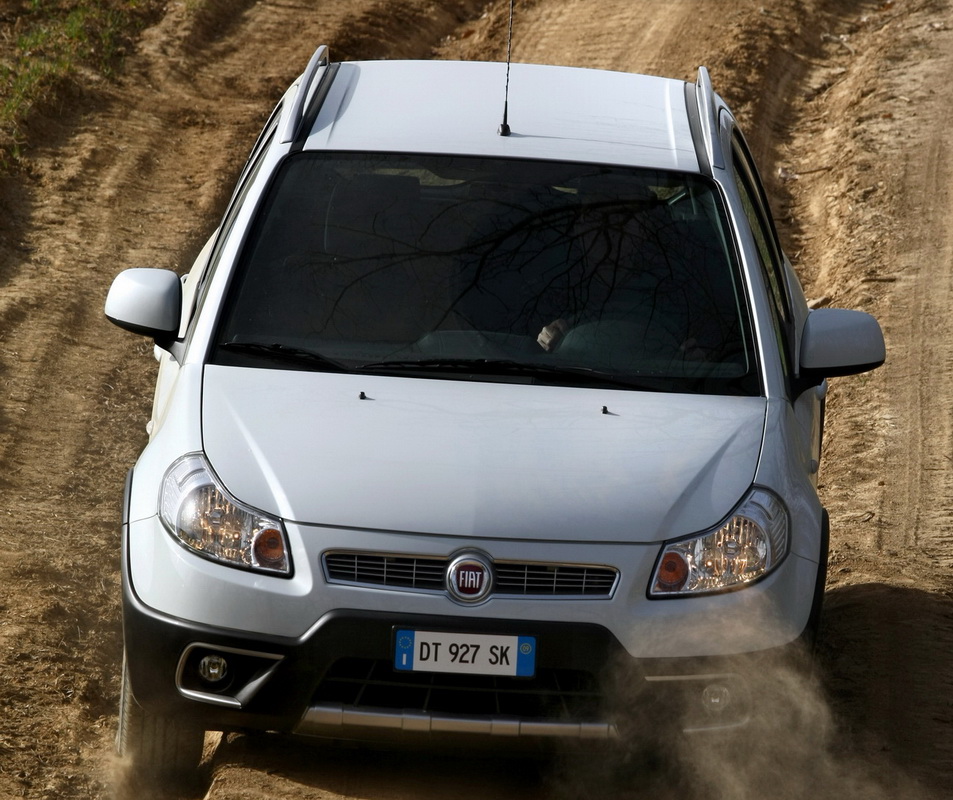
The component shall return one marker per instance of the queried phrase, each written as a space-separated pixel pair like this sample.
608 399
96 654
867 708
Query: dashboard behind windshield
409 263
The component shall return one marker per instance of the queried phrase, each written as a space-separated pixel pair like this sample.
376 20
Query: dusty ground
846 106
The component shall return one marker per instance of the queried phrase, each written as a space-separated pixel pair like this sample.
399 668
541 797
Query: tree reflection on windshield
400 257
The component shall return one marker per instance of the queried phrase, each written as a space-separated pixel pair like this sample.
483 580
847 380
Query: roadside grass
45 45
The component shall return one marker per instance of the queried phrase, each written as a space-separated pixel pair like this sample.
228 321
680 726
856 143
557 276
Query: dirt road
846 108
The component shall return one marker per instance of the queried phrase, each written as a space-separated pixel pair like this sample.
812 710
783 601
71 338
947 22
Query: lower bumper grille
551 695
363 694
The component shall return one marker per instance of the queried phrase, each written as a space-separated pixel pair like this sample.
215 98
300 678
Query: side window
769 252
264 139
250 172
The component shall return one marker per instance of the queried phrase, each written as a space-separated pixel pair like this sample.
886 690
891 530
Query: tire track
136 177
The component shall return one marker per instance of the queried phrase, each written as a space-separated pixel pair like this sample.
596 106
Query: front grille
552 695
510 578
543 579
378 570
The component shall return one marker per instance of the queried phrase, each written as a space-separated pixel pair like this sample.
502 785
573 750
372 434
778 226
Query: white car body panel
180 432
587 120
473 459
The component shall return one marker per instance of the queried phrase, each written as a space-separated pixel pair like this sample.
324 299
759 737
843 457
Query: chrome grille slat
427 574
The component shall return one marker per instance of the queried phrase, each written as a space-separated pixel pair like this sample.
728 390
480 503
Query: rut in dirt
136 174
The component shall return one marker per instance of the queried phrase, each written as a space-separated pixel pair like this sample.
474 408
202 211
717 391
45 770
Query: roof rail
321 58
708 117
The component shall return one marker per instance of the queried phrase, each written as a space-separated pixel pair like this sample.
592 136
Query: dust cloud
757 726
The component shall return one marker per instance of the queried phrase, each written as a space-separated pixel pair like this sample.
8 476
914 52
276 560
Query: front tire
155 745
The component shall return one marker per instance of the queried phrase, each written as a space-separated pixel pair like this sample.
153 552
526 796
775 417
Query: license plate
469 653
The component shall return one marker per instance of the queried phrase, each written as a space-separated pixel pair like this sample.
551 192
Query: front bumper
597 669
336 681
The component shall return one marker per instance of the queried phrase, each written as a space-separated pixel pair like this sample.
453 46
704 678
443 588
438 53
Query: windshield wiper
286 352
490 366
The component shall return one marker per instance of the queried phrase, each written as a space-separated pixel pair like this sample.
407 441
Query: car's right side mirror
839 341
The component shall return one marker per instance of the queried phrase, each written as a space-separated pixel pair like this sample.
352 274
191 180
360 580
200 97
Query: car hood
475 460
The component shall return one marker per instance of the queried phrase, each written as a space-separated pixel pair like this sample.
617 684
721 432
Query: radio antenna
504 129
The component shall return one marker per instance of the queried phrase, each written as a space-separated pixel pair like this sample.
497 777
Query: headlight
751 543
205 518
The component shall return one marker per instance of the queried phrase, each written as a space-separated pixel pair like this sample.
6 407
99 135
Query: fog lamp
213 668
716 697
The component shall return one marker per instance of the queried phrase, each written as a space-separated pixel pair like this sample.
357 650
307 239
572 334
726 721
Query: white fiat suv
453 422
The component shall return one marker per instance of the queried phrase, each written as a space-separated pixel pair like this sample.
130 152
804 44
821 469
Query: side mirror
838 341
147 302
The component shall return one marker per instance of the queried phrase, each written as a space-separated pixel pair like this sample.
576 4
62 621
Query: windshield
491 269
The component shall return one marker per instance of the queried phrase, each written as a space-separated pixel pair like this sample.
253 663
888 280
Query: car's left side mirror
839 341
148 302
